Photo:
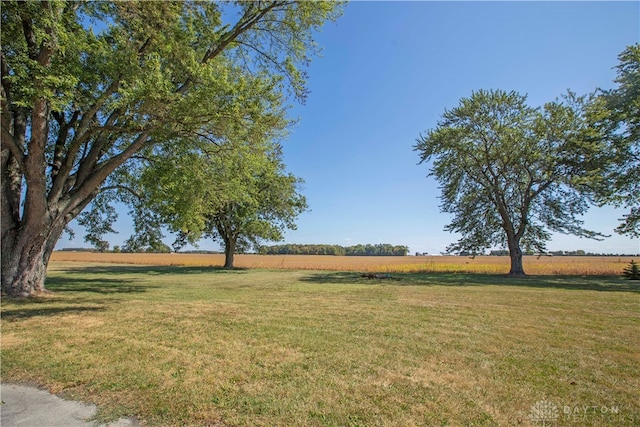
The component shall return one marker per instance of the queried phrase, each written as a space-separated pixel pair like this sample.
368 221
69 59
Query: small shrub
632 272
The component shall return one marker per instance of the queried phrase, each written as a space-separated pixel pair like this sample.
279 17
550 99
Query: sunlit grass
202 346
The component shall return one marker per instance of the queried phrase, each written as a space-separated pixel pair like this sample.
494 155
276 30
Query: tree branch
122 187
85 187
62 139
81 137
8 142
250 18
29 36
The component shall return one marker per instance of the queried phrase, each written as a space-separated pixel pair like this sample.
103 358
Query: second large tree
510 174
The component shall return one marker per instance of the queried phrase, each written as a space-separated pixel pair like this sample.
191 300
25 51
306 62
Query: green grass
202 346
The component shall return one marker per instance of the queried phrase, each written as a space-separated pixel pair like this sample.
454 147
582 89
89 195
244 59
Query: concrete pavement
25 406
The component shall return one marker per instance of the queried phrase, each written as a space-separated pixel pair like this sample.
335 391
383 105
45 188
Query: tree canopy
510 173
88 88
616 113
240 195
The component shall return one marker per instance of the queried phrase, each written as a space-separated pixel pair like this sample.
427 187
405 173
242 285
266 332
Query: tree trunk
24 267
515 253
26 273
229 251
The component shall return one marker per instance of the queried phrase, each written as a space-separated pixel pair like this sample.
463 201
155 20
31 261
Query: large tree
615 114
268 204
87 86
239 196
511 173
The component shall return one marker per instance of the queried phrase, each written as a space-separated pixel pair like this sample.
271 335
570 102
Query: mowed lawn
203 346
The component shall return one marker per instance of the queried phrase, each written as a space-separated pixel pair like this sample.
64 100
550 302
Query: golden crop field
582 265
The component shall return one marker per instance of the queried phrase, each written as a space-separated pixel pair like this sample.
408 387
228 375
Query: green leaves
98 221
614 116
508 171
240 193
93 91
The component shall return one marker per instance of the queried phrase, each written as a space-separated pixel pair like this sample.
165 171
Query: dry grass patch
200 346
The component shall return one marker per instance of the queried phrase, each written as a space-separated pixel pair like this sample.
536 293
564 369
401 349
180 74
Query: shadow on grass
108 283
151 269
97 285
119 279
584 283
32 308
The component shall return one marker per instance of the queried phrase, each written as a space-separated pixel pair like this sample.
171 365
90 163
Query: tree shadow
152 269
121 279
32 308
347 277
578 283
98 285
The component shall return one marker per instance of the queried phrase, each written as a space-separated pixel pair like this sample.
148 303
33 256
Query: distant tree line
381 249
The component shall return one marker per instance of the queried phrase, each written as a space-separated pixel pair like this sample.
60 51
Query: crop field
579 265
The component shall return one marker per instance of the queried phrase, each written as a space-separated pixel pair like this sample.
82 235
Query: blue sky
388 71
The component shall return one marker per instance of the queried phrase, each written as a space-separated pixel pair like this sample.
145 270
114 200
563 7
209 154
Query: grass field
601 266
201 346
